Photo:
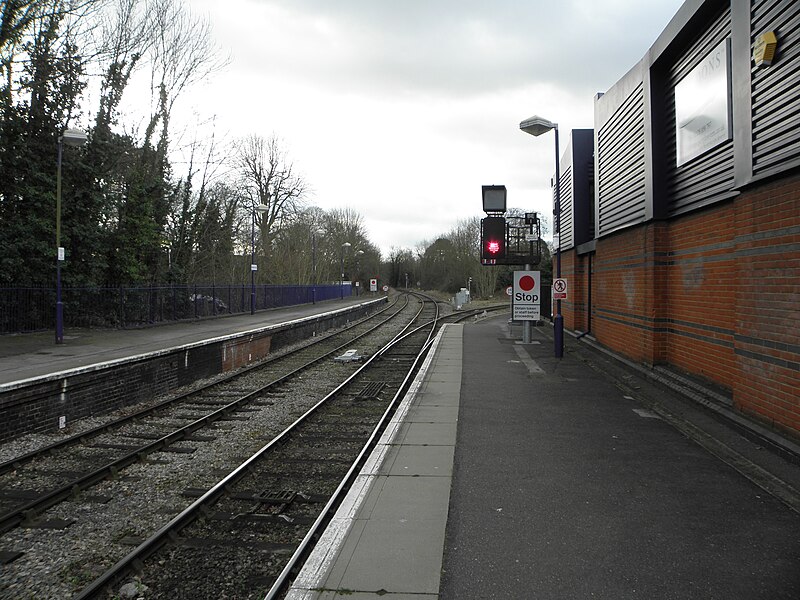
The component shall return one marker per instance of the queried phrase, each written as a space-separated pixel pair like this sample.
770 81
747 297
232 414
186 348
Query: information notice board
526 297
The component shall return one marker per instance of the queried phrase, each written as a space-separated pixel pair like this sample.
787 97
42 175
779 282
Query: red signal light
493 246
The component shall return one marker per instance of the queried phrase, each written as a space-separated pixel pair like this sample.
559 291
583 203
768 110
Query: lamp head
74 137
537 125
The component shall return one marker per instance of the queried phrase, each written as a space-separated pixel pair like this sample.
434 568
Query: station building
680 211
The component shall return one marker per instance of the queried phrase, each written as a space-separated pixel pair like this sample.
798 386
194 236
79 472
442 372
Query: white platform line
533 366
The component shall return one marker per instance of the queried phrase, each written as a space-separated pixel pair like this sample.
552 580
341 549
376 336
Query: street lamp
70 137
358 270
341 269
261 208
537 126
314 235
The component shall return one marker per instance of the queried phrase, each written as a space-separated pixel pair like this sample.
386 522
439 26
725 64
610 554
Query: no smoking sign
526 297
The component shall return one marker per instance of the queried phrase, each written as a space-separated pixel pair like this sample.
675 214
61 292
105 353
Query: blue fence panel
27 309
24 309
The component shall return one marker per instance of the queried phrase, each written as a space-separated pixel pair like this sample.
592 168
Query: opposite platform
46 387
28 355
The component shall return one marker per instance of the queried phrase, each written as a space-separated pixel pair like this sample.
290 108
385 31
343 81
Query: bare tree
269 178
182 54
402 267
126 33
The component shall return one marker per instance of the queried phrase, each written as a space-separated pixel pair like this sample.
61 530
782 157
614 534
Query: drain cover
270 497
371 390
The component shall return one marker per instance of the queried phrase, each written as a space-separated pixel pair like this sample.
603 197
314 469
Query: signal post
510 241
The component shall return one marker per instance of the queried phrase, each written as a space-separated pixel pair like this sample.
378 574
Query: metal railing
26 309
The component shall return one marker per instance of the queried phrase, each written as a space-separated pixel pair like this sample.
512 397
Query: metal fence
33 309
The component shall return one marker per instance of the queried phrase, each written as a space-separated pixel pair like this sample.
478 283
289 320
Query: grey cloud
466 47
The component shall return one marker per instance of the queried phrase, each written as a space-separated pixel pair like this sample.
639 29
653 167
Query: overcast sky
402 109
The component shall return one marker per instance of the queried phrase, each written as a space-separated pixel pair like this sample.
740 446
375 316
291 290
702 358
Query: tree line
129 216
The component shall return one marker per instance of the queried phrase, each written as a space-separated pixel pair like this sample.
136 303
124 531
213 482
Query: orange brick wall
575 309
767 319
715 293
700 279
624 311
244 351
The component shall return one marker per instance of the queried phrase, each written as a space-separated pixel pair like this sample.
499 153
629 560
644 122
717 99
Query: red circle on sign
526 283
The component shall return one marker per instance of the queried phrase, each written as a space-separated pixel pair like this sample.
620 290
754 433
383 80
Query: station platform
30 355
508 473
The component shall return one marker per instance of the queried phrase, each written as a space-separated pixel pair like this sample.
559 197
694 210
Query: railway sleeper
9 556
205 402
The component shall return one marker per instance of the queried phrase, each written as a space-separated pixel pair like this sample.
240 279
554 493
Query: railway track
40 479
257 406
244 536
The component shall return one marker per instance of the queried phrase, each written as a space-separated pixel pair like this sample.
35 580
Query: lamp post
314 235
537 126
70 137
341 269
359 253
261 208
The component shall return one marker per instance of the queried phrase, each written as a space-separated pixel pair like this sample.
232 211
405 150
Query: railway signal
493 237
